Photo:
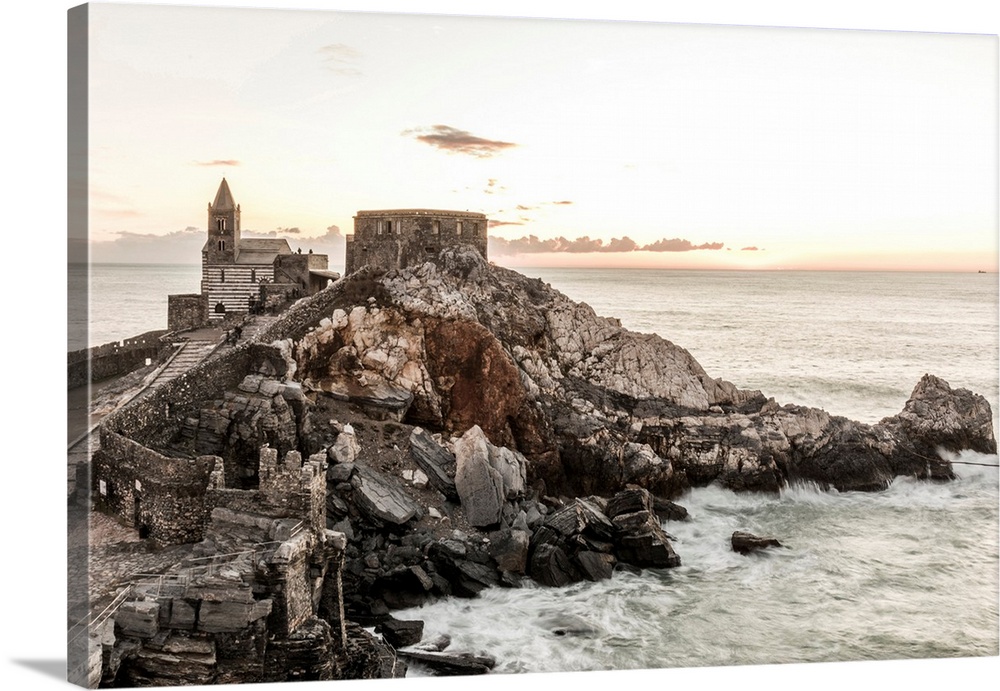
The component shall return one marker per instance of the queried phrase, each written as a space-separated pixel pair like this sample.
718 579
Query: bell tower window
222 245
220 223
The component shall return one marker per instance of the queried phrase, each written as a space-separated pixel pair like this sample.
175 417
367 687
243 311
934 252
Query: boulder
745 543
448 664
435 461
486 477
381 499
400 633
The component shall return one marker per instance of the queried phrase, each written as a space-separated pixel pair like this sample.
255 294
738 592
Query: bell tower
223 227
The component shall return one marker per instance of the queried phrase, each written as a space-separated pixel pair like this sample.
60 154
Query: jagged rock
400 633
455 562
138 618
550 565
667 510
486 477
510 550
435 460
381 499
346 447
745 543
447 664
596 566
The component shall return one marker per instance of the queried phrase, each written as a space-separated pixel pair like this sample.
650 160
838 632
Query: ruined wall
394 239
187 311
162 497
112 359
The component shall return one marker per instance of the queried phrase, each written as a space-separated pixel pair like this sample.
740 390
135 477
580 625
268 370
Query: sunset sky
661 145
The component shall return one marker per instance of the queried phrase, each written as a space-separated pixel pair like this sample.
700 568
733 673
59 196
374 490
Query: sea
909 572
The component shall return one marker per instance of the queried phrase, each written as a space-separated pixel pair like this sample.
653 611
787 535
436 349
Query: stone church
241 275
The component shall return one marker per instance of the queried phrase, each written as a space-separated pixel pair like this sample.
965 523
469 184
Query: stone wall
395 239
188 311
162 497
111 359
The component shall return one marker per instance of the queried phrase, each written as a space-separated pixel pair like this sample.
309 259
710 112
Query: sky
586 143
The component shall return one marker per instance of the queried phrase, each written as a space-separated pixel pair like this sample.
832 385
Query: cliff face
592 406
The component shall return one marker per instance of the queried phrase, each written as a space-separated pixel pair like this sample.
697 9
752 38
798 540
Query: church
242 275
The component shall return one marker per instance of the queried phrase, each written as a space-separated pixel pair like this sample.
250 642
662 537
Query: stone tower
223 228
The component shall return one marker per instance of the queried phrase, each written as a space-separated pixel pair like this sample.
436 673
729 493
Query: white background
32 609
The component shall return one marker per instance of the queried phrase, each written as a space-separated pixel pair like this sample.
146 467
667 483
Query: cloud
176 247
341 59
456 141
184 246
531 244
219 162
678 245
749 249
495 224
561 203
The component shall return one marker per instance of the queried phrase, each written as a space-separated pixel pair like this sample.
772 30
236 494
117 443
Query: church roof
224 198
261 250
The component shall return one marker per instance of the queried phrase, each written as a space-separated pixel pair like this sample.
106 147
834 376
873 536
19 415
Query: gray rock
380 498
434 460
480 485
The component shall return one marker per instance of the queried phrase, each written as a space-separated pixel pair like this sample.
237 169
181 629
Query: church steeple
224 198
223 226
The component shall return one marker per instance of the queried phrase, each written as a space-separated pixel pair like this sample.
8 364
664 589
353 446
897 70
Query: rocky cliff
592 406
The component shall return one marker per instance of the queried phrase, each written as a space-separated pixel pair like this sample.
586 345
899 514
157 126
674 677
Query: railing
175 584
88 624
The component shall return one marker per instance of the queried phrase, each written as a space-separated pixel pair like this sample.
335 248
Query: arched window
223 273
220 223
253 275
222 245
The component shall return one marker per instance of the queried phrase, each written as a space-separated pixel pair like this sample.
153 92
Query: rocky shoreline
462 427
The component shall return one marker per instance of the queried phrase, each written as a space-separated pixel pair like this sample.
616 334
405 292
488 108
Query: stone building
240 274
396 238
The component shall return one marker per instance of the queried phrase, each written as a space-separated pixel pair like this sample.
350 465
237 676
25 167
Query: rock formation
464 427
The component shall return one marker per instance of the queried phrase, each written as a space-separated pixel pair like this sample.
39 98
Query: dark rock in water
667 510
465 577
400 633
650 548
937 416
404 586
451 664
596 566
745 543
551 566
510 550
630 500
436 461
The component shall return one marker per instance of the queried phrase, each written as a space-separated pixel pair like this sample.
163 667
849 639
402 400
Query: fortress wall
395 239
188 311
112 359
162 497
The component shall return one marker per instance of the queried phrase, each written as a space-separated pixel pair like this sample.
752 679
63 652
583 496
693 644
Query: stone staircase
187 356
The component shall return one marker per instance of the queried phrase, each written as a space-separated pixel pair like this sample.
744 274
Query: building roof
324 273
224 198
261 250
